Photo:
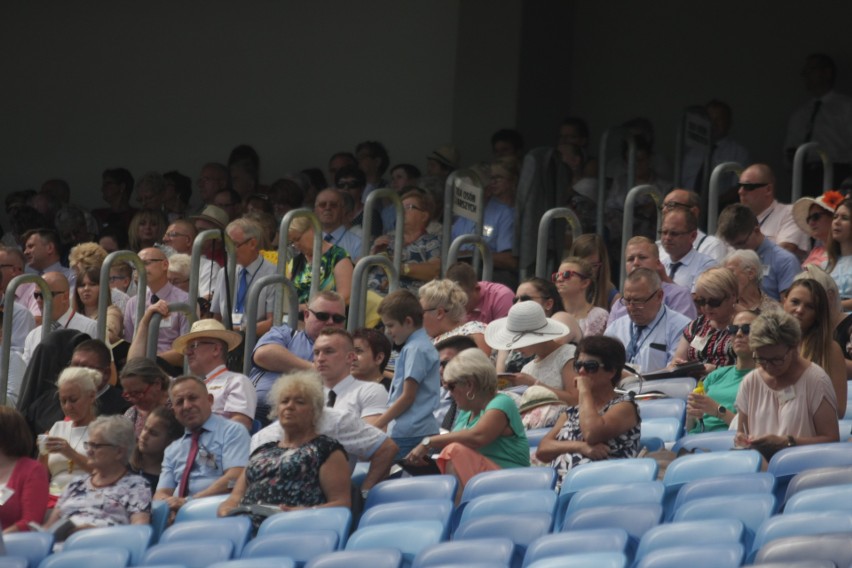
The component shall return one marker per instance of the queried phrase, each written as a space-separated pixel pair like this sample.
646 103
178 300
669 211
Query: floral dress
709 345
625 445
300 272
85 504
288 476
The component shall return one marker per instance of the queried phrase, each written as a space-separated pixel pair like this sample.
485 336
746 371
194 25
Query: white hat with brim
525 325
536 396
213 214
802 207
210 329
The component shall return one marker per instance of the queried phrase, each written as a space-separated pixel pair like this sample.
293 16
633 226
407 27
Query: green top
722 386
505 451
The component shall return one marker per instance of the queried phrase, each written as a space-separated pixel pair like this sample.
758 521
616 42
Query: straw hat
536 396
828 201
446 155
526 325
213 214
209 328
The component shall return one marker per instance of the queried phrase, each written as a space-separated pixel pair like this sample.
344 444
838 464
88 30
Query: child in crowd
416 378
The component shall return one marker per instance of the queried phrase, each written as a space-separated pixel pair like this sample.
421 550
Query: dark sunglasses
751 186
733 329
525 298
712 302
589 366
325 316
814 217
39 296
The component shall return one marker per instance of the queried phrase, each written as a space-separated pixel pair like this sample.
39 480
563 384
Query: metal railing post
154 328
544 232
358 299
479 242
8 307
195 263
284 253
253 297
103 289
627 224
713 192
799 167
399 230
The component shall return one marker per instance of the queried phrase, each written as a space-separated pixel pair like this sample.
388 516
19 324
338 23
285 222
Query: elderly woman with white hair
746 266
179 271
111 495
444 312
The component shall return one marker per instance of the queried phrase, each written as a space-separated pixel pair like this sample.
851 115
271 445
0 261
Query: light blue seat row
724 555
800 524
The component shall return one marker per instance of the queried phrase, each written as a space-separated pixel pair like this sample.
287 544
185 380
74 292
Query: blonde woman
575 285
444 312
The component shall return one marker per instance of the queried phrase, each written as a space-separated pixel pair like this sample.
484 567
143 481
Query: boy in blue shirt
416 382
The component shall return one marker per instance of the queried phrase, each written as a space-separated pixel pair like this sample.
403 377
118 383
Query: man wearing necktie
209 457
251 265
682 262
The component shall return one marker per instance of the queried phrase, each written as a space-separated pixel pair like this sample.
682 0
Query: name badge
786 395
237 319
766 270
698 342
166 322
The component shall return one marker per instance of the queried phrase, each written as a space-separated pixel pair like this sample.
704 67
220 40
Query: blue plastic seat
584 560
651 443
662 408
338 519
159 519
760 482
577 542
191 554
844 426
278 562
634 519
534 501
800 524
409 537
201 509
235 529
13 562
535 436
834 498
790 461
493 551
705 531
413 488
509 480
818 477
105 557
752 509
700 466
34 546
723 555
439 510
373 558
134 538
522 529
300 546
666 429
811 549
623 494
719 441
679 387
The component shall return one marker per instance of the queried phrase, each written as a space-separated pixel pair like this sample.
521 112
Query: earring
470 395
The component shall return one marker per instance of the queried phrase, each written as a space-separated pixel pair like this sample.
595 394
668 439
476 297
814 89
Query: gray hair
251 229
308 383
647 275
87 379
116 430
179 263
474 367
448 295
774 327
747 260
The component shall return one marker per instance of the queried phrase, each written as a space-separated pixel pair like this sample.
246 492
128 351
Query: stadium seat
522 529
34 546
426 510
300 546
105 557
534 501
679 387
706 531
493 551
279 562
699 466
719 441
338 519
412 488
577 542
788 462
723 555
634 519
818 477
760 482
236 529
651 443
13 562
752 509
159 519
622 494
195 554
134 538
203 508
833 498
373 558
535 436
800 524
507 480
662 408
666 429
409 537
811 549
584 560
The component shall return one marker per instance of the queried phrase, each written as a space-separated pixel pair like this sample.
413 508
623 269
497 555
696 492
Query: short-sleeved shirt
361 398
777 225
548 370
300 272
505 451
85 504
171 327
232 392
417 361
656 343
842 275
498 226
223 444
722 385
298 343
495 299
779 268
708 344
788 412
346 239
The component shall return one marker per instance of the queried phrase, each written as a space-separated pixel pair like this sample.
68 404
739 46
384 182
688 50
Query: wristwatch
425 442
791 441
721 411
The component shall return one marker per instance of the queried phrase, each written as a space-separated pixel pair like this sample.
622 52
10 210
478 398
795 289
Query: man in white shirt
683 263
179 236
334 352
707 244
206 348
62 314
757 192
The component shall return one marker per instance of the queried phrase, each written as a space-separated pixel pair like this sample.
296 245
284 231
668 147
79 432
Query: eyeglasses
130 396
674 204
198 343
38 295
672 234
734 329
526 298
94 446
175 234
589 366
771 361
812 218
325 316
709 302
566 275
751 186
411 206
634 302
238 245
150 261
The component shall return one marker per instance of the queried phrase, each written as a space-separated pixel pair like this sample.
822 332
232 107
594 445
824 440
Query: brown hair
402 304
17 439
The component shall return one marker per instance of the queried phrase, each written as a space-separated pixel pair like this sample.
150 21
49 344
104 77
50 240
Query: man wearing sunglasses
757 192
739 227
283 349
650 331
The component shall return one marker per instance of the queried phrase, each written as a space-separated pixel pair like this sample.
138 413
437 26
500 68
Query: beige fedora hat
209 328
213 214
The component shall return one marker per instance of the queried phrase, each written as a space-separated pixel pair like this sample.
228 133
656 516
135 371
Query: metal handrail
713 192
479 242
195 263
253 297
8 310
627 224
104 293
366 236
358 299
284 253
544 232
154 327
799 166
602 159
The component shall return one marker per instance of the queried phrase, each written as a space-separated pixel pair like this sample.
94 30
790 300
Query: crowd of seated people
435 380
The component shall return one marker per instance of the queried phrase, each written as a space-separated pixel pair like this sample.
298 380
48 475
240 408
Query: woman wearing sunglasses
807 302
575 285
603 425
706 339
813 215
787 400
714 409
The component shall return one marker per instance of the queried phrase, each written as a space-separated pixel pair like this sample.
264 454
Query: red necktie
190 460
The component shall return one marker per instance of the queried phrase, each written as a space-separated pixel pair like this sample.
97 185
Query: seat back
279 562
34 546
13 562
751 509
811 549
625 494
134 538
425 510
584 560
373 558
413 488
577 542
718 441
788 462
800 524
338 519
722 555
634 519
300 546
666 429
408 537
159 519
818 477
834 498
493 551
191 554
522 529
534 501
705 531
700 466
760 482
662 408
237 530
203 508
508 480
105 557
678 387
